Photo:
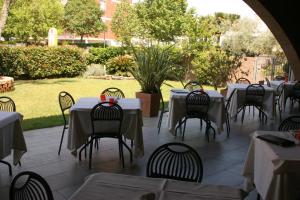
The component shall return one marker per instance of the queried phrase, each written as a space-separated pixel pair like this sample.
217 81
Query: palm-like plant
153 66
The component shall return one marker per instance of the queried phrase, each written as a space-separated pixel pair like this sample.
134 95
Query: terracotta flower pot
150 103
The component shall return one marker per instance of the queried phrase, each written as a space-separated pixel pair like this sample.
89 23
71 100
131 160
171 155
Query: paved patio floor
223 158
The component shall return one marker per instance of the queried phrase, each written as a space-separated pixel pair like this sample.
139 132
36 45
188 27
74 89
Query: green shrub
119 65
41 62
83 44
95 70
102 55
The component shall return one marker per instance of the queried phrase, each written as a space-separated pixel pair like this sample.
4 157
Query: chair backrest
296 90
107 111
193 85
243 80
175 161
255 95
268 82
29 186
279 78
66 101
113 92
229 99
197 104
290 123
279 89
7 104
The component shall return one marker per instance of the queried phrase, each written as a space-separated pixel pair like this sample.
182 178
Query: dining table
80 125
11 136
239 97
271 169
110 186
177 108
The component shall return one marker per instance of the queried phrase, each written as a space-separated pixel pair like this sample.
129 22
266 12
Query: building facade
108 7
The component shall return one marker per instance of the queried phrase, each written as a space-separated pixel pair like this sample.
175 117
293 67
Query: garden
163 45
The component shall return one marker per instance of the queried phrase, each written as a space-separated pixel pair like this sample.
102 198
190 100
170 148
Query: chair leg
206 132
179 127
243 114
131 143
121 152
201 123
258 197
227 125
90 153
159 122
184 125
130 151
96 144
279 110
9 166
84 148
61 139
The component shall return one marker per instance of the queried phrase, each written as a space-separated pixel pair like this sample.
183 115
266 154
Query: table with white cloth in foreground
177 108
80 127
274 170
11 136
108 186
239 96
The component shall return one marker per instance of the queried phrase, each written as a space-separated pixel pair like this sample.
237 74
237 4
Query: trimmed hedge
41 62
102 55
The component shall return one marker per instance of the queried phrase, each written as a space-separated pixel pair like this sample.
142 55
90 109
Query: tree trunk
81 38
4 14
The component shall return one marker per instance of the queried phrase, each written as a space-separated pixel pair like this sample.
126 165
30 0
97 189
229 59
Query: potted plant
153 65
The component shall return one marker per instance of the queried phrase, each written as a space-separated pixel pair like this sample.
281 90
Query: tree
32 19
162 20
214 66
4 13
124 23
241 37
83 17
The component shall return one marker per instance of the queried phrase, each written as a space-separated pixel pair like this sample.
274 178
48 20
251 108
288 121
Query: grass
37 100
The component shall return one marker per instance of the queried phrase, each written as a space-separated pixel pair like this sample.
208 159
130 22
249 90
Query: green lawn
38 100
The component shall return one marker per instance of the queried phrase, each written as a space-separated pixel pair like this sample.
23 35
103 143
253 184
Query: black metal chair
113 92
197 105
243 81
290 123
175 161
7 104
163 110
66 101
227 115
104 112
279 78
278 96
254 97
193 85
295 96
29 186
268 82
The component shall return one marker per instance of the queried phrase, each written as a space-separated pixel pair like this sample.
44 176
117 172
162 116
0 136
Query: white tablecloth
274 170
80 127
11 136
107 186
177 109
238 99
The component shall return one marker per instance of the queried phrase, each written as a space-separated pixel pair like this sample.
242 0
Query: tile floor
222 159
